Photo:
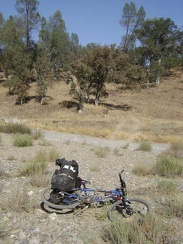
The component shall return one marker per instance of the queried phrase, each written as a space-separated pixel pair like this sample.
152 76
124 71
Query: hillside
154 113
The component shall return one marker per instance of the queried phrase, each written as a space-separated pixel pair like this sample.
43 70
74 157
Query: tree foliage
98 66
158 42
131 20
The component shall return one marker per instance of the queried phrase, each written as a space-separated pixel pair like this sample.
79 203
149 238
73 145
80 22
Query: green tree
158 40
98 66
10 40
43 75
131 20
54 37
29 18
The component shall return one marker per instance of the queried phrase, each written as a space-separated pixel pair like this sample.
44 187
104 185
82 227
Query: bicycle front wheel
135 209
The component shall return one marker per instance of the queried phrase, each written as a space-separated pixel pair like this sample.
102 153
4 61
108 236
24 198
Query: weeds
37 134
117 152
145 146
168 166
17 201
167 187
2 171
38 164
176 150
171 206
44 143
14 128
53 154
40 179
143 169
101 152
23 141
151 230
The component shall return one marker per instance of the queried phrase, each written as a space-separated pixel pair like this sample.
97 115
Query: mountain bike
85 197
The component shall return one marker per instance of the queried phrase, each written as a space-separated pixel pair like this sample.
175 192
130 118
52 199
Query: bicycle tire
115 215
57 206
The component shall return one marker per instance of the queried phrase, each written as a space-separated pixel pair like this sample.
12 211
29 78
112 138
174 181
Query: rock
40 213
53 216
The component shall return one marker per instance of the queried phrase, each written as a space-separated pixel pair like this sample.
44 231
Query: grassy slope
156 113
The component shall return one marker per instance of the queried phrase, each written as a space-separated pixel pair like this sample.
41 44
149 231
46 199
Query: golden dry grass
156 113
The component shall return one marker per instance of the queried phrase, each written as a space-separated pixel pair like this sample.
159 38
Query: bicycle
84 197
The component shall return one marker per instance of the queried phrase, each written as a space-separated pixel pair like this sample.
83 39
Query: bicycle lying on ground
84 197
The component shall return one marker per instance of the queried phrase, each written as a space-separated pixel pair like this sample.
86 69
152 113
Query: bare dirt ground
155 113
36 226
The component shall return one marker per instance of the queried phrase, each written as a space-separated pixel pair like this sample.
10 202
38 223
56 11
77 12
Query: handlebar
123 184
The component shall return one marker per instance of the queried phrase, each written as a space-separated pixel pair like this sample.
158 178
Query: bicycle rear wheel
62 205
135 209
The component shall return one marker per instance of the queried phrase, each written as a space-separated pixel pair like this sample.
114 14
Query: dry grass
156 113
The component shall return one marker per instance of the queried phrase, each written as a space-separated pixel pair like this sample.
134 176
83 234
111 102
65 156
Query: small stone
30 193
39 213
37 230
53 216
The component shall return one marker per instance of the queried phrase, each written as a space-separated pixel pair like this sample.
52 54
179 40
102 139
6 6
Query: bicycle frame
109 195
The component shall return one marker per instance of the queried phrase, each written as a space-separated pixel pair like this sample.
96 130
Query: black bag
65 178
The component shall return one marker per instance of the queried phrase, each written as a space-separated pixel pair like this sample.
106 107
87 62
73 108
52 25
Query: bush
14 128
37 134
145 146
166 187
23 141
101 151
168 166
40 179
150 230
17 201
176 150
143 169
37 165
171 206
53 154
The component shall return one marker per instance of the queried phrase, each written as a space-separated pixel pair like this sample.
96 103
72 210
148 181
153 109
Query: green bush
53 154
36 165
143 169
145 146
14 128
176 150
23 141
167 187
168 166
151 230
171 206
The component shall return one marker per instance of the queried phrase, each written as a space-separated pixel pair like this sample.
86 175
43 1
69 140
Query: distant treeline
56 54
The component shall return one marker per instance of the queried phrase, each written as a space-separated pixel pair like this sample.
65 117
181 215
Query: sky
97 21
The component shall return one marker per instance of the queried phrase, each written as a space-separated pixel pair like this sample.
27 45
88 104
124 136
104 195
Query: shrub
17 201
23 141
176 150
171 206
53 154
150 230
14 128
143 169
101 151
40 179
36 165
145 146
166 187
37 134
168 166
